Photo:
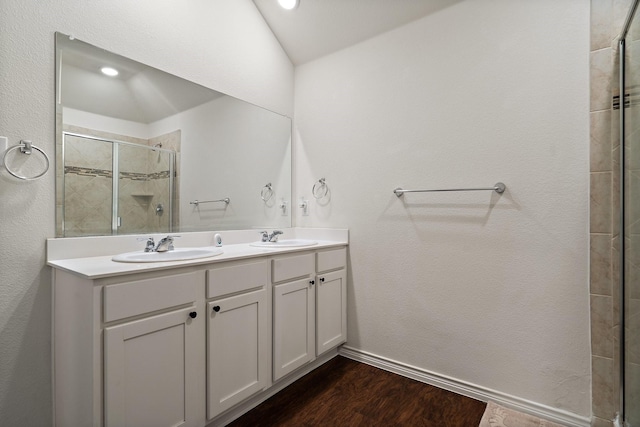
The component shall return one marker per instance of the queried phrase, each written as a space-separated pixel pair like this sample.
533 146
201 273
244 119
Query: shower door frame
622 415
621 302
115 170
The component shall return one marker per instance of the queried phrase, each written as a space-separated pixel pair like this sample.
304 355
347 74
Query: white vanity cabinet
331 299
150 374
309 307
128 353
191 345
294 302
149 371
237 334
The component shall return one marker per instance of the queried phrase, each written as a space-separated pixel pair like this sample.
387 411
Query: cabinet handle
322 279
312 282
193 314
216 308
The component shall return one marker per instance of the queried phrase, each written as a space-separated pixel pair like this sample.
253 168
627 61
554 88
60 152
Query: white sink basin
285 243
178 254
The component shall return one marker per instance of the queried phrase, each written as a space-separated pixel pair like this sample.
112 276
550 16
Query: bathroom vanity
191 343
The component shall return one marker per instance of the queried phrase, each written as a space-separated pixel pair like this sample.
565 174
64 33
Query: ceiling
314 29
319 27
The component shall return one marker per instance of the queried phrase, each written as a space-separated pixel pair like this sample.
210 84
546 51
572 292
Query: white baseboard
466 389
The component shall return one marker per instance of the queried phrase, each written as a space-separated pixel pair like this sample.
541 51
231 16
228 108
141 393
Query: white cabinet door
331 310
293 326
237 362
150 371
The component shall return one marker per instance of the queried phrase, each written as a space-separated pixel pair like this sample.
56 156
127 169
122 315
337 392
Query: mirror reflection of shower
115 187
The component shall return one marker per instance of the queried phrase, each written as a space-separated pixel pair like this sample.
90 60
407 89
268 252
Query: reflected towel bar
498 188
197 202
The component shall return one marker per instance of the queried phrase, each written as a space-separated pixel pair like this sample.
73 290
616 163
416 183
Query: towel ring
26 147
267 192
320 189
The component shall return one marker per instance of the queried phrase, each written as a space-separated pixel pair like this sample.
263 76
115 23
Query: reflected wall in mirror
135 150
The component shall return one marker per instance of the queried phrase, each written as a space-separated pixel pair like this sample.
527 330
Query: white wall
490 290
222 44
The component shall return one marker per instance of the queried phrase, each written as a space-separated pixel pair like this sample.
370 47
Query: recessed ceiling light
288 4
111 72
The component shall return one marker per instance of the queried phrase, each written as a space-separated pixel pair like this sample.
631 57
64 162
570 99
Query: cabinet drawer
291 267
236 278
332 260
144 296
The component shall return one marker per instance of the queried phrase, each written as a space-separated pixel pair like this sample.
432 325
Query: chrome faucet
150 245
165 244
273 237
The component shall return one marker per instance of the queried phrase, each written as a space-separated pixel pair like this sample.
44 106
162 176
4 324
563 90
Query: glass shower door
630 356
88 186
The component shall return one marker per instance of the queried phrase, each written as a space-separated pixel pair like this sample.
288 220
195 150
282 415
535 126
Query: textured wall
223 44
489 290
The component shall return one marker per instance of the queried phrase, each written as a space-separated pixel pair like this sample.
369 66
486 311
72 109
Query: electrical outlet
304 205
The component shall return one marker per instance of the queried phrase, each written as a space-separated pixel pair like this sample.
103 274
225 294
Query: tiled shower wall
607 19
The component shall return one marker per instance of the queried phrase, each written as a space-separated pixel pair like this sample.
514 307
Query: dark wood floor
346 393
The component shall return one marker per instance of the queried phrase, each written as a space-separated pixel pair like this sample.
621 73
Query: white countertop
97 267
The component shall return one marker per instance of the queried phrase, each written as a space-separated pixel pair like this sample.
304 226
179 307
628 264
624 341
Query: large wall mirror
141 151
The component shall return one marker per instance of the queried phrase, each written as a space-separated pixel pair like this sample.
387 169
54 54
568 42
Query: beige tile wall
87 198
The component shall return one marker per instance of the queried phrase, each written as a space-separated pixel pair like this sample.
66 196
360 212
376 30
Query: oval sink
285 243
178 254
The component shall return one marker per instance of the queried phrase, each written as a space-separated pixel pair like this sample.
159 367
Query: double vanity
195 341
199 334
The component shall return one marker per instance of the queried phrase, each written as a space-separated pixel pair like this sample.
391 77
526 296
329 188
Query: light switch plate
4 144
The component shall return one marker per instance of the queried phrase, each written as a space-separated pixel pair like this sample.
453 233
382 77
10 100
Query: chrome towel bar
197 202
499 188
